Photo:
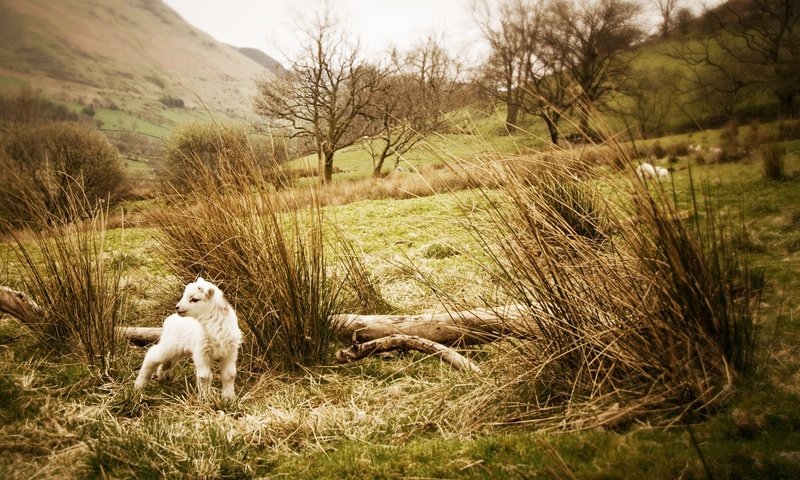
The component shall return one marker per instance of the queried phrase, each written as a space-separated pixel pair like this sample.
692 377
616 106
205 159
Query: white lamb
647 170
205 327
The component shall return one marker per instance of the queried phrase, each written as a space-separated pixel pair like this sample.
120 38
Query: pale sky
272 25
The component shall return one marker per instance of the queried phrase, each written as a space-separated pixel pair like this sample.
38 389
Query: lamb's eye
194 300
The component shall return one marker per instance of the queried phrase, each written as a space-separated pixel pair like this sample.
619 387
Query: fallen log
140 336
359 351
469 327
19 305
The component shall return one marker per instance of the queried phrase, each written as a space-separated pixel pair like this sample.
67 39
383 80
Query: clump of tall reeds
628 301
772 161
270 254
68 269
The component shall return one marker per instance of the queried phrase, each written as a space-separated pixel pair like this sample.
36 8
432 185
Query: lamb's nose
177 308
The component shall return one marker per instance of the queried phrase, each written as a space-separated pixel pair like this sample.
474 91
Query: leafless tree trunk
762 37
19 305
665 8
588 38
512 33
412 101
469 327
324 95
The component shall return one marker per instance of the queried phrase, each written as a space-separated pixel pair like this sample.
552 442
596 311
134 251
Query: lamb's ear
210 292
200 280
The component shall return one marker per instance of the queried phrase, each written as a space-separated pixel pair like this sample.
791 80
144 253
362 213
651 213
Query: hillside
133 57
261 58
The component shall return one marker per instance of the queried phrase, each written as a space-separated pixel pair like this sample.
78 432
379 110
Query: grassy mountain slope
125 56
261 58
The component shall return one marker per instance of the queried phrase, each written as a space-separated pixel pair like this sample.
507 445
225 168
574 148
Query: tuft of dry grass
271 253
772 161
70 272
659 316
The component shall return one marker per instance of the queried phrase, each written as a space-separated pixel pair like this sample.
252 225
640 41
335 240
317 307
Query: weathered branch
470 327
141 335
406 342
19 305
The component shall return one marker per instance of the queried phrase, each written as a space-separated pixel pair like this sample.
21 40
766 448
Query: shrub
569 207
789 130
171 102
772 163
199 150
700 158
272 259
661 314
730 134
70 273
755 136
47 167
680 149
657 150
29 108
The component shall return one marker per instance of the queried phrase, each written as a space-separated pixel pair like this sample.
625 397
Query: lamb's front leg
228 374
202 366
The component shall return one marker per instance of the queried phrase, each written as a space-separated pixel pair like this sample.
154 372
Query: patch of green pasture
123 120
355 162
423 232
10 82
137 168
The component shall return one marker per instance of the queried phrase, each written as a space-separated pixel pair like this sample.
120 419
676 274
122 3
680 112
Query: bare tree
550 92
324 95
547 56
683 17
763 37
593 40
715 82
665 8
512 33
646 99
412 101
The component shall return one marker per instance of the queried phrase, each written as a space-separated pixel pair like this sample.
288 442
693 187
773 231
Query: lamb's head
198 299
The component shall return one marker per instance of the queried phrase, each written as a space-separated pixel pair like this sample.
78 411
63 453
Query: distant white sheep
206 328
647 170
717 153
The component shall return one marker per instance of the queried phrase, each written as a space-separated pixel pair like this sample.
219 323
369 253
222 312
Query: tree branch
406 342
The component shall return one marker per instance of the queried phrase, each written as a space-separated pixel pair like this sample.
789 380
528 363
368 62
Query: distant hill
262 59
133 57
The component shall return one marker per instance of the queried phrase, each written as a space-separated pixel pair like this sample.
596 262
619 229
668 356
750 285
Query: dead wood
359 351
140 335
469 327
19 305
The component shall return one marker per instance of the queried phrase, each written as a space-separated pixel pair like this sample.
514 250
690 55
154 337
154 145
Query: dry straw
632 308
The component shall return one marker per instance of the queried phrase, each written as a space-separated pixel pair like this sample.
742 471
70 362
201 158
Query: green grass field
410 416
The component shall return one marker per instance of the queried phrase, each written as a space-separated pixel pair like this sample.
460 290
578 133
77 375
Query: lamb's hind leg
202 365
164 369
152 360
228 374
